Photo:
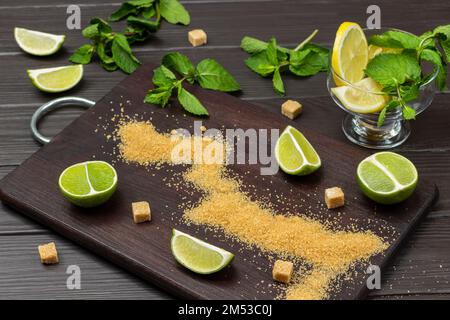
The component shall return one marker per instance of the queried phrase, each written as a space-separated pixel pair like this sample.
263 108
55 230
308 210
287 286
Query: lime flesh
88 184
387 177
294 153
56 79
197 255
38 43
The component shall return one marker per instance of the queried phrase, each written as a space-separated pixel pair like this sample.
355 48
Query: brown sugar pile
331 253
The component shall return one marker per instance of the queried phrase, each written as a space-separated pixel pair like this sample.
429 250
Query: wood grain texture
143 250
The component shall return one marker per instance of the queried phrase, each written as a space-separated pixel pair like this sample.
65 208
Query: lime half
295 154
88 184
56 79
387 177
38 43
197 255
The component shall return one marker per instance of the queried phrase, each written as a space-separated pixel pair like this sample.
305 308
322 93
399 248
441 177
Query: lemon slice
56 79
197 255
364 100
38 43
350 53
375 50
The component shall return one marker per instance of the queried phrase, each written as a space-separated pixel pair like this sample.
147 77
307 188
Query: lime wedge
197 255
387 177
88 184
295 154
56 79
364 97
38 43
350 53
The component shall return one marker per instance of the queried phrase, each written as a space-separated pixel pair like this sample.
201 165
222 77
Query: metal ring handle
53 105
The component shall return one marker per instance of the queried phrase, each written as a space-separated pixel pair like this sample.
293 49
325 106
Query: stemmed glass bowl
362 128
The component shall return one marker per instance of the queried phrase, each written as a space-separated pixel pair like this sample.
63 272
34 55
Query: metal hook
53 105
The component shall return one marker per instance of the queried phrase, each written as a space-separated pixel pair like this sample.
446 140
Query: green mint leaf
141 3
159 96
163 77
307 63
174 12
260 64
124 11
393 104
103 55
395 39
122 55
211 75
272 52
102 26
446 47
178 62
435 58
410 93
149 25
382 117
253 45
148 12
408 113
136 34
391 69
407 40
110 67
91 31
83 55
443 31
278 82
190 103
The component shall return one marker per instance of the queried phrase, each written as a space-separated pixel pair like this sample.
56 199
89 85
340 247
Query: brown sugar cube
291 109
197 37
141 211
282 271
334 197
48 253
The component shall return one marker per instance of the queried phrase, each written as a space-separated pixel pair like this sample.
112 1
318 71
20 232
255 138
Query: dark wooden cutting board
145 249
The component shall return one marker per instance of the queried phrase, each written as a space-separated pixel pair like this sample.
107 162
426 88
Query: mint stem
311 36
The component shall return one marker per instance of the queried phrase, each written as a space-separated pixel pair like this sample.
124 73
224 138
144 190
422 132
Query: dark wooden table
422 268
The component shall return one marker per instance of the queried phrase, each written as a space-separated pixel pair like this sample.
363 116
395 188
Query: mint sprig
143 18
269 59
208 73
401 74
112 48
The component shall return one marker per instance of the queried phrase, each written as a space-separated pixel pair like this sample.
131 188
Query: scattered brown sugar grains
328 251
141 211
334 197
291 109
282 271
48 253
197 37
